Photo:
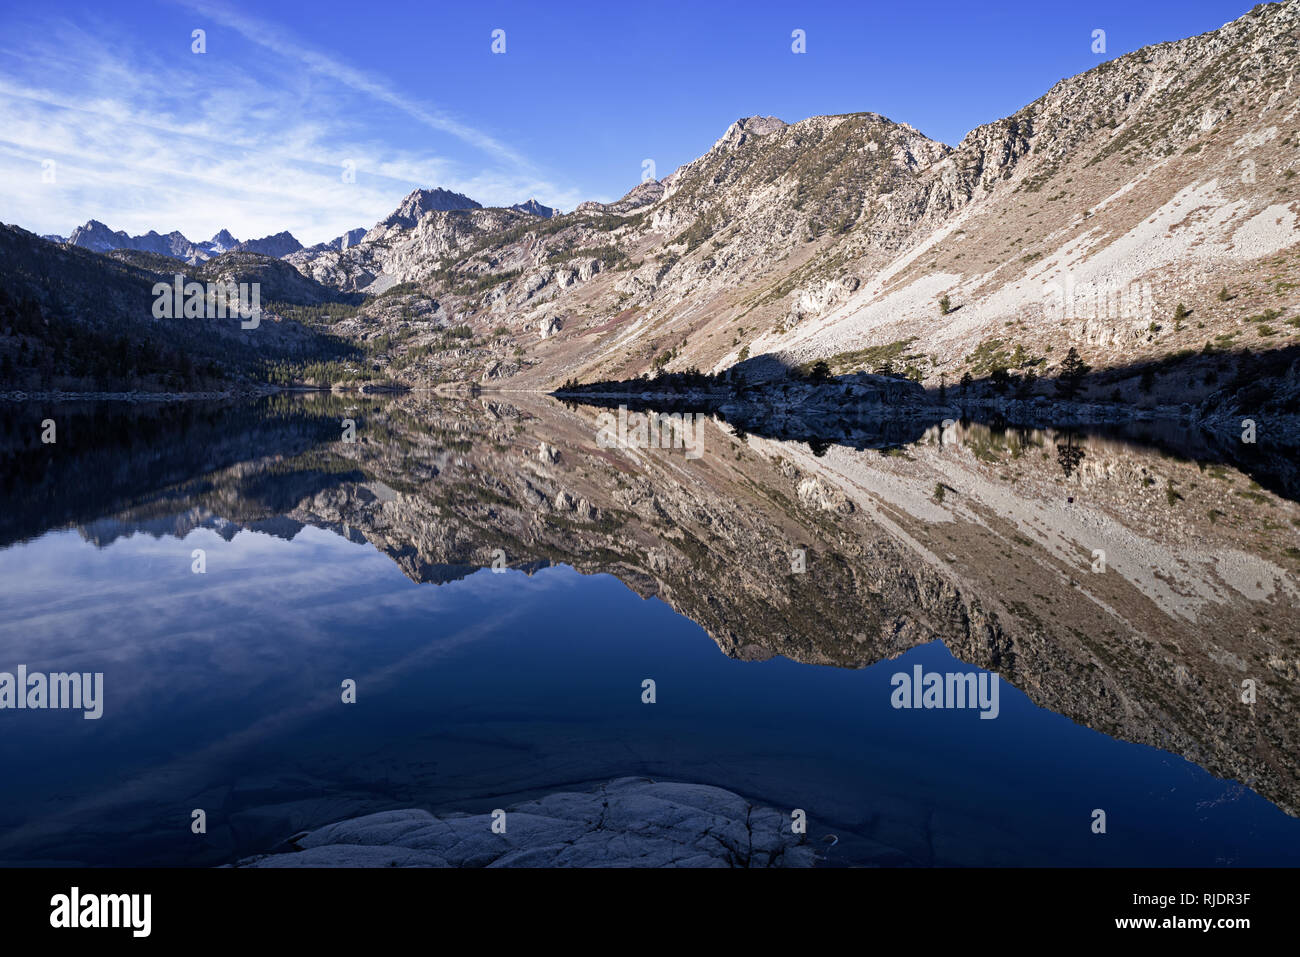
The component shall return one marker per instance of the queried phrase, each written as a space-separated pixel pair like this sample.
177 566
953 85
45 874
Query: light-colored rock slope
1153 180
630 822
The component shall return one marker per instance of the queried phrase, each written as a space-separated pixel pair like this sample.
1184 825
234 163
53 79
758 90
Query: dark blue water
222 692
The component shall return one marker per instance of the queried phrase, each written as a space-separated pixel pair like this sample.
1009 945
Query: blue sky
254 135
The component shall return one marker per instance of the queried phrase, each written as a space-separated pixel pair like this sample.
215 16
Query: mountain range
99 238
1142 212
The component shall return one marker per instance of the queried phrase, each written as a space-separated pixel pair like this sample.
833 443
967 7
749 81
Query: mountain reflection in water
1129 583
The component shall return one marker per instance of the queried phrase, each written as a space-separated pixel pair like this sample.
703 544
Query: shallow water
373 561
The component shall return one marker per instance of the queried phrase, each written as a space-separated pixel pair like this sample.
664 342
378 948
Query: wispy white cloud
141 142
277 41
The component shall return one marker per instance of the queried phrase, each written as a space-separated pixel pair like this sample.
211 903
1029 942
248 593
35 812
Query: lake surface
499 587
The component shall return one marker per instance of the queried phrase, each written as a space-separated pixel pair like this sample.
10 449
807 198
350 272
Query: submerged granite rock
629 822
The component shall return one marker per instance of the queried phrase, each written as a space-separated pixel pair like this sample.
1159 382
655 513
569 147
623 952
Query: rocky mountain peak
222 242
96 236
744 130
535 208
281 244
421 201
740 131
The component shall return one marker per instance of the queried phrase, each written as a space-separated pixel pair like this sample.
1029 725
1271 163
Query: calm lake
499 586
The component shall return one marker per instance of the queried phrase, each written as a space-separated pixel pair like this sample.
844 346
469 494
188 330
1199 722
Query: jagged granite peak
534 207
739 133
421 201
99 238
174 244
279 245
222 242
54 238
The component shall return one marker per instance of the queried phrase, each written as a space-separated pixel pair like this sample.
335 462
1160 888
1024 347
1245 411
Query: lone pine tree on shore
1073 369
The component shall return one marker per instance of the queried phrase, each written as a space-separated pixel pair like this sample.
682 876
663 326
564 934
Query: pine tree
1073 369
820 371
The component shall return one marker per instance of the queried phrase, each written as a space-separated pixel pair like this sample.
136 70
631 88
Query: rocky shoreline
861 395
243 392
867 395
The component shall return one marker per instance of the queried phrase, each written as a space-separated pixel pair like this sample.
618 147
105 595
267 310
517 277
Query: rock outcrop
278 246
630 822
